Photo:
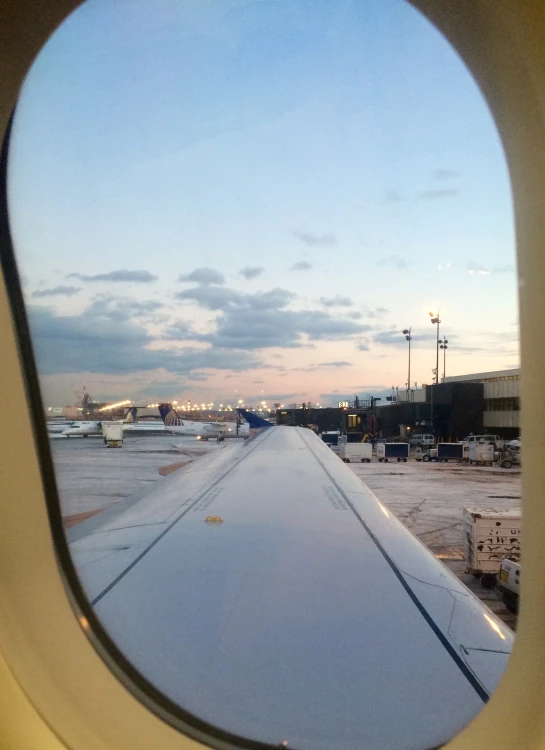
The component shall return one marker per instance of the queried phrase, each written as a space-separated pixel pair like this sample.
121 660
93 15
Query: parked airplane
83 429
201 430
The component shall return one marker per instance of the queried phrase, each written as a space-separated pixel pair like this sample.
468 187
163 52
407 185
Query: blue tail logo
253 420
131 414
169 416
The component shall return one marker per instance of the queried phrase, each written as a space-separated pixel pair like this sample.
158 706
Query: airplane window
267 256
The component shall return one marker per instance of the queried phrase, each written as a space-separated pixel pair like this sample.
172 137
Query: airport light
444 347
409 338
114 406
435 320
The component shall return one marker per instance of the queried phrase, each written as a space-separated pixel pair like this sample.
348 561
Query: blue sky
332 167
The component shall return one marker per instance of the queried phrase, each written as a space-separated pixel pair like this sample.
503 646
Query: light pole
444 347
436 321
408 337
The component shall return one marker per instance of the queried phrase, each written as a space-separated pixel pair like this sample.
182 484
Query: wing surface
267 590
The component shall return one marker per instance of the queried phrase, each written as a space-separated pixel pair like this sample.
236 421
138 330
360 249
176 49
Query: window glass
234 214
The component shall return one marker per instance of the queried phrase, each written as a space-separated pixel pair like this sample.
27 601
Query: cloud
301 265
260 320
141 277
316 240
251 272
57 291
362 345
378 312
392 196
355 315
321 366
395 261
256 329
476 268
107 343
434 195
504 269
216 298
394 337
179 331
258 382
204 276
122 308
336 301
445 174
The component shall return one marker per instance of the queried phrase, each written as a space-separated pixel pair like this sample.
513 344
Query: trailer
391 451
330 437
356 452
481 454
490 536
450 452
113 434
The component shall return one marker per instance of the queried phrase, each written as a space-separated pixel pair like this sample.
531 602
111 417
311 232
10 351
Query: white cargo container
113 434
481 453
356 452
490 535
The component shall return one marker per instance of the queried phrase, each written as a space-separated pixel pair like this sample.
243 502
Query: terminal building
479 403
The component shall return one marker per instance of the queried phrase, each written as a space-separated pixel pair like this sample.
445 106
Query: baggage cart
356 452
392 451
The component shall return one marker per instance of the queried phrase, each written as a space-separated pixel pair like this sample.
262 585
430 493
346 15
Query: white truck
356 452
508 586
490 536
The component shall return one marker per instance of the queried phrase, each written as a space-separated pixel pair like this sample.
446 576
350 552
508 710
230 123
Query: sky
251 199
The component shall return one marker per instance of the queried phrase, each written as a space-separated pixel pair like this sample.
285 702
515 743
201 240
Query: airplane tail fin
169 415
253 420
131 414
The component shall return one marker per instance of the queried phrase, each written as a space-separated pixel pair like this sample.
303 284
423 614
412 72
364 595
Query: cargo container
450 451
391 451
113 434
490 536
356 452
481 453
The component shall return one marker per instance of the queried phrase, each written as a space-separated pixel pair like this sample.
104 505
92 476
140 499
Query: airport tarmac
428 498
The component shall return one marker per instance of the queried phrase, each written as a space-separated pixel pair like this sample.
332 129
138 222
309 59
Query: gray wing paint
305 612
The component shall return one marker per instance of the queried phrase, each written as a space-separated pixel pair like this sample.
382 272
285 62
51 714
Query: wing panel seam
468 674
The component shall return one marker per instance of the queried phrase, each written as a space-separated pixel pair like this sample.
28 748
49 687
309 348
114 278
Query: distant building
479 403
501 412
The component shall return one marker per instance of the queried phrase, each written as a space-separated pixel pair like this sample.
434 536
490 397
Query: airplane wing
267 591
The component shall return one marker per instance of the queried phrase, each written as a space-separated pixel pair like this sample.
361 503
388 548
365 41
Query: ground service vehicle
508 585
424 441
